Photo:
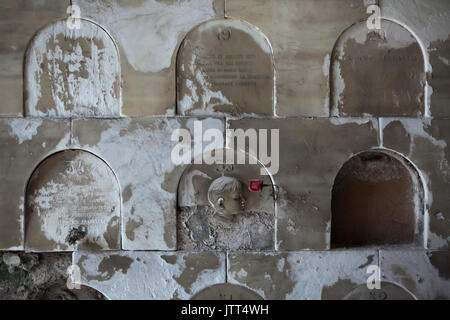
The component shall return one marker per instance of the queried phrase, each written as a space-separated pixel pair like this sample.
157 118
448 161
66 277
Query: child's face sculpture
225 196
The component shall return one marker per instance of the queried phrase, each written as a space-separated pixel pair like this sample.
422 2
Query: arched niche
72 72
387 291
226 291
378 72
58 290
377 199
245 220
225 67
72 202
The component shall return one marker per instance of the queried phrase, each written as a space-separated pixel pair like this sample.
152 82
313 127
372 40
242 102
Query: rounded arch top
226 291
72 201
225 67
377 199
378 72
72 70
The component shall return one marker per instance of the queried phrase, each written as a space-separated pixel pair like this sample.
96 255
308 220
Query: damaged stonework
377 72
139 151
166 275
148 34
225 67
430 21
311 154
72 72
218 212
43 276
426 143
381 194
388 291
20 21
424 273
226 291
24 143
72 202
301 275
302 34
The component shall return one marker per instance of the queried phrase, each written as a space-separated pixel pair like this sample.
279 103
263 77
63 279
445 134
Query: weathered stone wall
86 123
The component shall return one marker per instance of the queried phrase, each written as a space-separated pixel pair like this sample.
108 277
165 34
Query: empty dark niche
373 202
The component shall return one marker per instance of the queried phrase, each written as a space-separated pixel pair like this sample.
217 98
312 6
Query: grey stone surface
39 276
377 72
24 143
387 291
139 152
311 154
225 66
430 21
150 275
423 273
244 220
72 72
377 200
148 34
73 201
302 42
301 275
20 20
226 291
426 144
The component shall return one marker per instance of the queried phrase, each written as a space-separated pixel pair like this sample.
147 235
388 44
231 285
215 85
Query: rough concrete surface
102 130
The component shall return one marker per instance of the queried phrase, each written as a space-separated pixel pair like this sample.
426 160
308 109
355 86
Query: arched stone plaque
387 291
72 202
378 72
376 200
226 291
72 72
217 210
225 67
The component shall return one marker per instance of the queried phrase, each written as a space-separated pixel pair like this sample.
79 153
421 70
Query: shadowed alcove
376 200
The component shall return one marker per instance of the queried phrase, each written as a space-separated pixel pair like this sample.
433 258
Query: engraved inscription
380 73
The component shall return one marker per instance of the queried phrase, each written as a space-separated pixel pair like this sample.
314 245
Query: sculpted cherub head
225 196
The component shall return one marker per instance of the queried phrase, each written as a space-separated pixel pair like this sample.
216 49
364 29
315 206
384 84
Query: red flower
254 185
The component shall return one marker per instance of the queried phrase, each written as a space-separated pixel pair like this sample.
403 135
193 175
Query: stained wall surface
72 202
225 67
319 85
72 72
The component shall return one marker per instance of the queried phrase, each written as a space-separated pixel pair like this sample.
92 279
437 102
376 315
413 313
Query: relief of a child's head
225 196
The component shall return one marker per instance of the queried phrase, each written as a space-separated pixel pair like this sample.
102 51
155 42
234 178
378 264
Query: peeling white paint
149 32
414 270
148 276
24 129
86 193
145 160
187 197
428 19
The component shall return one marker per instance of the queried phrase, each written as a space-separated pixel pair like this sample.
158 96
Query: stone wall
90 105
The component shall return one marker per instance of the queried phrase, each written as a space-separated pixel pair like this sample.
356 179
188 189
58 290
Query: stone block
225 67
426 144
148 34
302 42
430 21
72 71
24 144
425 274
150 275
301 275
19 22
139 152
311 152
